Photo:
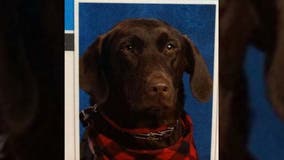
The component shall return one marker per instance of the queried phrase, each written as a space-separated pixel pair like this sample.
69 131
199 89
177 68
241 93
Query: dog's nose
159 89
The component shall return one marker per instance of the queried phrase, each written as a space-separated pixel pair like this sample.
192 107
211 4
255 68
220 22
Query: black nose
159 89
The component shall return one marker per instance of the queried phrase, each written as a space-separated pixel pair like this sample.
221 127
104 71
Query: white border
72 152
70 107
215 110
151 1
76 51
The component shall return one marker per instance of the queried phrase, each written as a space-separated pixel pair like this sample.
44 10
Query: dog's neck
137 138
125 119
130 119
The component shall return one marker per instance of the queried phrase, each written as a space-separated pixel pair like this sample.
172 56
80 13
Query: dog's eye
129 47
170 46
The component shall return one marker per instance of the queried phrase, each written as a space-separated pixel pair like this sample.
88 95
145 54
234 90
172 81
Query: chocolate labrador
133 74
243 23
32 80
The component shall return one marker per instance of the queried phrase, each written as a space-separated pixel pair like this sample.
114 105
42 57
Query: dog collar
105 148
156 134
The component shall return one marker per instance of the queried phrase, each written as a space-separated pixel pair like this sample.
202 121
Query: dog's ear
92 78
200 81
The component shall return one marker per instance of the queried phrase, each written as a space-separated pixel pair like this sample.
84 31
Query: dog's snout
159 85
159 89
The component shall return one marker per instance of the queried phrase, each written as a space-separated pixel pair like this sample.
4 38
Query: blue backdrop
267 131
196 21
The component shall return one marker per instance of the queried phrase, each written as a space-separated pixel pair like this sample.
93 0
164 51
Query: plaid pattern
184 149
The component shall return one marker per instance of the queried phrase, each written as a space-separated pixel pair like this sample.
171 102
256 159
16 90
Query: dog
32 80
133 74
243 23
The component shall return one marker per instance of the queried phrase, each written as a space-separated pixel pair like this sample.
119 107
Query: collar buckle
86 114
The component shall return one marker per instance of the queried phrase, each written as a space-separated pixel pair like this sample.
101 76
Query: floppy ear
92 78
200 81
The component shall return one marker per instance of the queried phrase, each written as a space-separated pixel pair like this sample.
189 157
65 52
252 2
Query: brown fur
121 67
242 23
32 80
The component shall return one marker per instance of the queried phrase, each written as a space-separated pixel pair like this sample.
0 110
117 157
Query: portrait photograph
145 79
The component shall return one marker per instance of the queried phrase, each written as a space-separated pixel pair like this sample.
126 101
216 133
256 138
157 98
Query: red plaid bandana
183 149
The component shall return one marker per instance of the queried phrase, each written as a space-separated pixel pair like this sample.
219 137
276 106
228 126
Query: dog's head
141 63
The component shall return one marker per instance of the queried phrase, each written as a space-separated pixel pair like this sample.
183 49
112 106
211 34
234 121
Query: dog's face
142 62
